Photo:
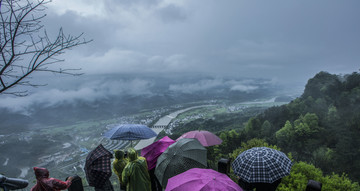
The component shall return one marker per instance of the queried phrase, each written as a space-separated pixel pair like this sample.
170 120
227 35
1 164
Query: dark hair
76 184
313 185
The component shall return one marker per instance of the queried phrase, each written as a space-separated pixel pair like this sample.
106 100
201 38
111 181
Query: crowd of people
132 172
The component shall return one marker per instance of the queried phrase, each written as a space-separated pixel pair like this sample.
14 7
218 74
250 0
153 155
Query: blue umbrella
130 132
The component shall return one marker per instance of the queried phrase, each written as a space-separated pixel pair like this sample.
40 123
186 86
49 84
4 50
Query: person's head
132 154
119 154
41 172
313 185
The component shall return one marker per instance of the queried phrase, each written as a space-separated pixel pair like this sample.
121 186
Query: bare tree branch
25 49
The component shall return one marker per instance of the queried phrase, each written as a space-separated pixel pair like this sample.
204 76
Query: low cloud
132 62
89 92
244 88
126 87
198 86
247 85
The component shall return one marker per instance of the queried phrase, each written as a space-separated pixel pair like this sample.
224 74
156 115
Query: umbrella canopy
130 132
153 151
178 158
206 138
261 164
197 179
98 166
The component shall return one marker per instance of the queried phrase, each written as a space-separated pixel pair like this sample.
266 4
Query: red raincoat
44 183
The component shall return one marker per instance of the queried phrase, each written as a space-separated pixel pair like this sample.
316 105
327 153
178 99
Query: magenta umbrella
153 151
198 179
206 138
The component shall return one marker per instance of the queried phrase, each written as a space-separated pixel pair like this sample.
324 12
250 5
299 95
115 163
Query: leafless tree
26 47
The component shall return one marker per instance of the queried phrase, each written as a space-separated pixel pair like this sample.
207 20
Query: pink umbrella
198 179
153 151
206 138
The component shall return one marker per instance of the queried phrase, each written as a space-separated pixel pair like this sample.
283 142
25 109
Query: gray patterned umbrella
179 157
261 164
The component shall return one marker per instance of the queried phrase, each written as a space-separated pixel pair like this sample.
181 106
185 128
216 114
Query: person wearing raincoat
118 166
135 174
44 183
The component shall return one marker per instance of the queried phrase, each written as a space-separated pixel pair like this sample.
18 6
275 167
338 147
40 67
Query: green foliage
296 108
336 182
285 135
352 81
323 158
306 125
253 127
321 127
332 114
250 144
267 129
231 139
323 85
301 172
300 137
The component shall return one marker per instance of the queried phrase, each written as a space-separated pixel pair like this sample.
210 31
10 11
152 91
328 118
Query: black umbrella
261 165
98 166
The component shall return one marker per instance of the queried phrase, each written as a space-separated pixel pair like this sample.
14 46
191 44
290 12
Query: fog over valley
108 95
280 74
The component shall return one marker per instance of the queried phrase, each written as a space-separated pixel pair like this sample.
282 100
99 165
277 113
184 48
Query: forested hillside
321 128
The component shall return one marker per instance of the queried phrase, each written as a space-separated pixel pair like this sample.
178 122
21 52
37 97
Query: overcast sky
284 41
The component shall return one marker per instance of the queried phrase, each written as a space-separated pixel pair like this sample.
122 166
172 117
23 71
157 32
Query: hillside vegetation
320 131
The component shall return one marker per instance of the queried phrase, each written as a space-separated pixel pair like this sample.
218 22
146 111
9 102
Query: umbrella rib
262 164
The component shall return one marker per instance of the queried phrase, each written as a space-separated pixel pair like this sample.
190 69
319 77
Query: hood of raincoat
41 172
44 183
135 175
119 163
119 154
132 154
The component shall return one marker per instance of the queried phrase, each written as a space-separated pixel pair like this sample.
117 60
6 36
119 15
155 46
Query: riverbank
161 124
